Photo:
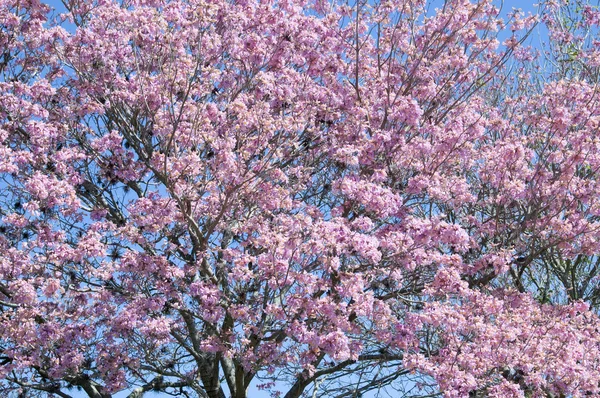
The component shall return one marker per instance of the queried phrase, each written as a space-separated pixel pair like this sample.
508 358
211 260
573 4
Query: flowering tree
321 198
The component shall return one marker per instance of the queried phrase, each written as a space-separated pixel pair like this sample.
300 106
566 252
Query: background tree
324 198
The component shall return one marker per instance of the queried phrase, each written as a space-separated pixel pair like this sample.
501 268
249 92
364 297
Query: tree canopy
321 198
